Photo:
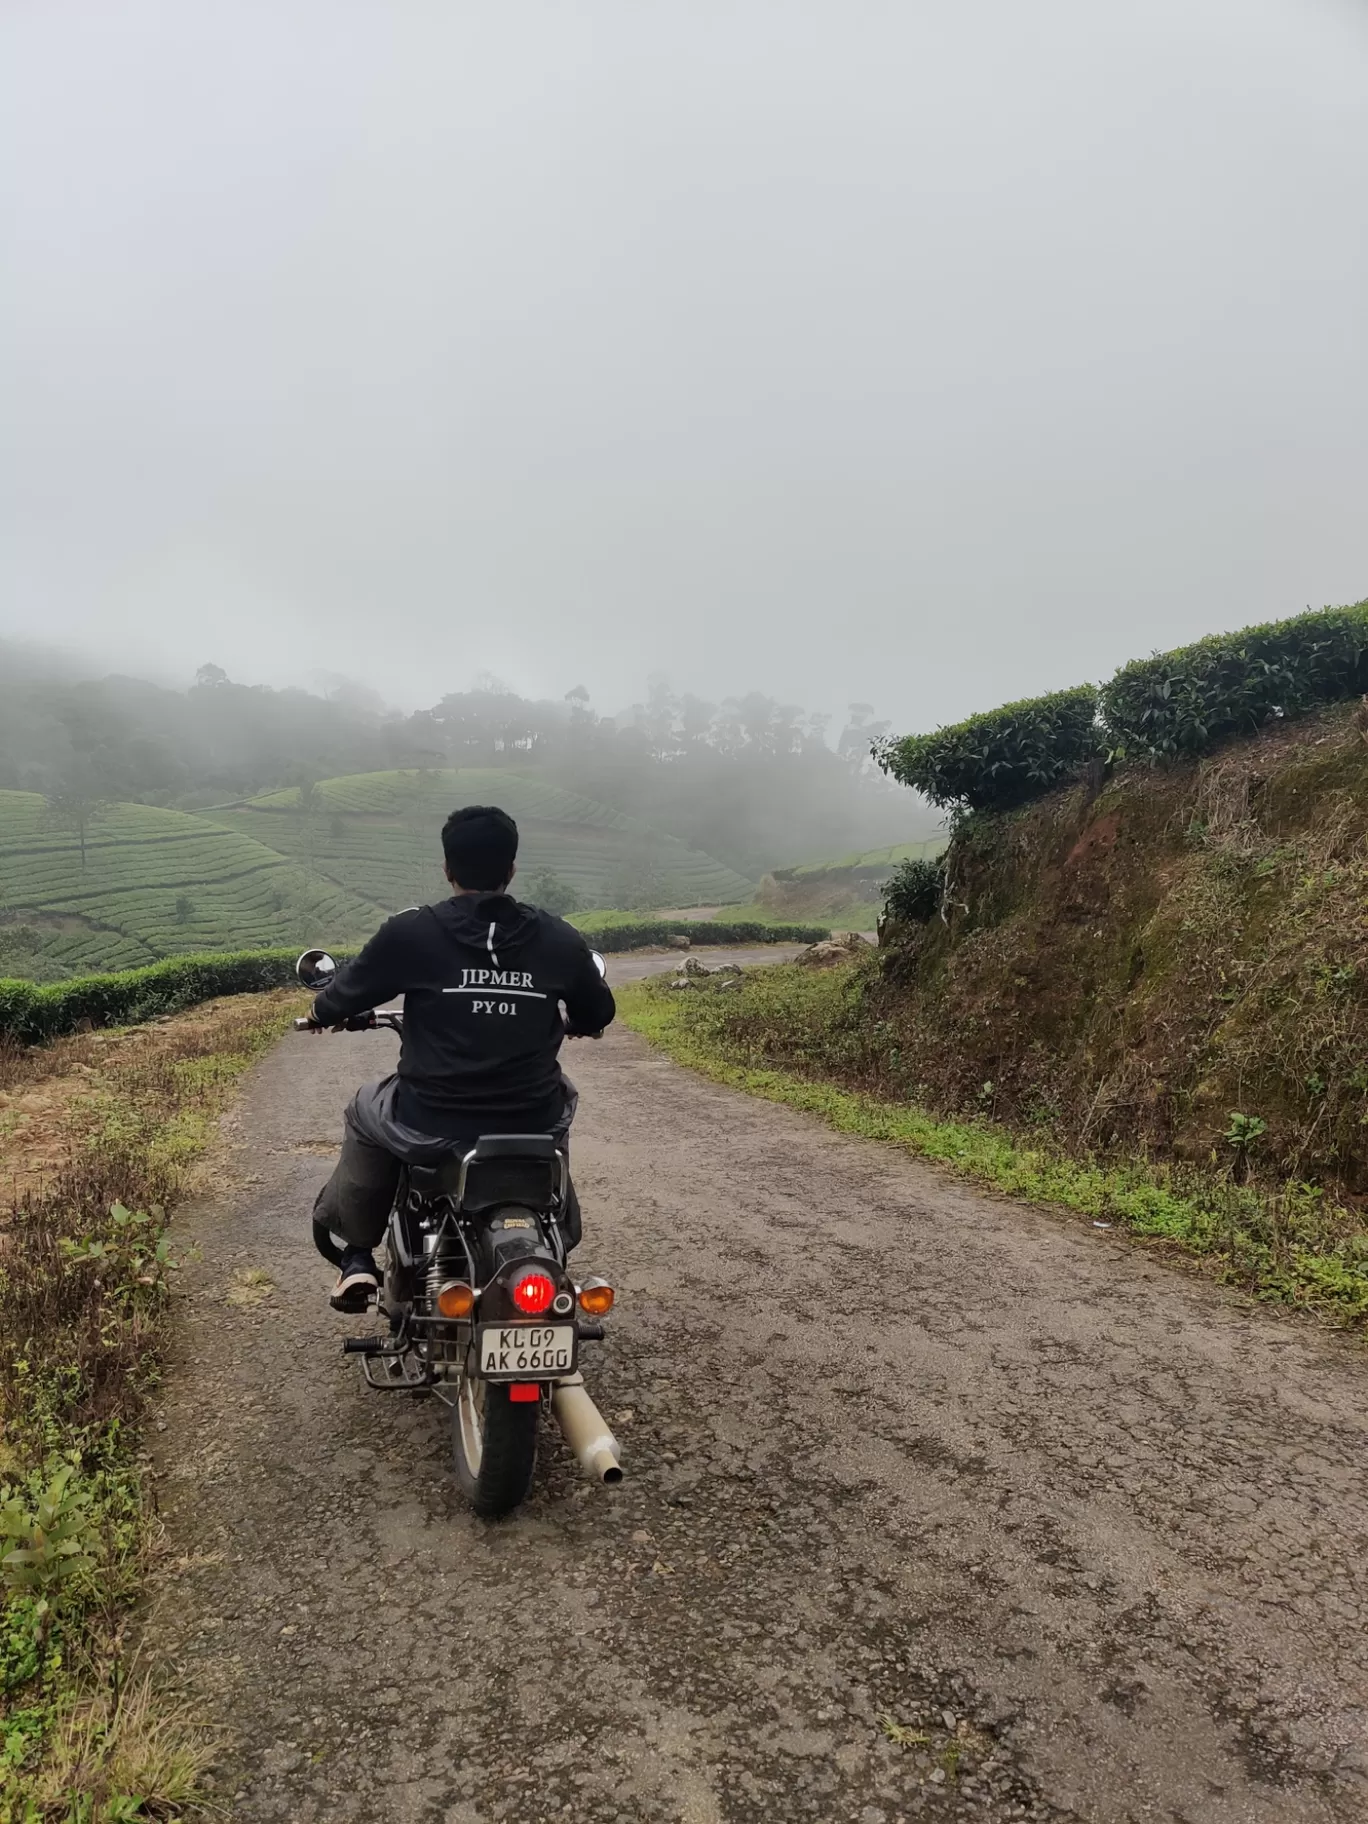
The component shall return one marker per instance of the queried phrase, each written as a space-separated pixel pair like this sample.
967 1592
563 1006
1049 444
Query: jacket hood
492 922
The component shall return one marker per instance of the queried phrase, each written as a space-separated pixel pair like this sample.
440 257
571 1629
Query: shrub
552 892
998 760
1186 701
29 1014
712 931
912 893
45 1533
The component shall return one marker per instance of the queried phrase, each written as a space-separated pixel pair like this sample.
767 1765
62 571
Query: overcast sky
930 354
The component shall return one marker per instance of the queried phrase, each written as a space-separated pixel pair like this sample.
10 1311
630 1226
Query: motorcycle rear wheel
494 1441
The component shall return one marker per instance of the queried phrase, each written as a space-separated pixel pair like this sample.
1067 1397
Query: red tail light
534 1292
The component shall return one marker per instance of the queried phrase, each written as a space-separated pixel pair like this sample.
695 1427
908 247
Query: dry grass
121 1757
105 1135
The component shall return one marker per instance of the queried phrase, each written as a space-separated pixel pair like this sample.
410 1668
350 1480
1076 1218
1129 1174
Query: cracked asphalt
937 1506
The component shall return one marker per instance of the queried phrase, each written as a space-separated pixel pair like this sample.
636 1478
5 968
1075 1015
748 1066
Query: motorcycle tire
494 1441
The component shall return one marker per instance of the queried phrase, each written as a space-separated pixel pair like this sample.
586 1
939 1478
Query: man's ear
511 872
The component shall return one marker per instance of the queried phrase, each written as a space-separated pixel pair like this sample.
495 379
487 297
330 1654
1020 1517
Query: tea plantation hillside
377 835
153 883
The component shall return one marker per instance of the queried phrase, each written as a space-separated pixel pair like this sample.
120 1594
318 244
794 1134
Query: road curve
937 1507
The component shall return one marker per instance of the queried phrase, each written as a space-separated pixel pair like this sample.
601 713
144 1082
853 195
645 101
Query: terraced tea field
269 872
377 834
155 883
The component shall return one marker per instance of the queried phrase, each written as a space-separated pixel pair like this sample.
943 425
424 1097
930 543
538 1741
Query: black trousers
354 1205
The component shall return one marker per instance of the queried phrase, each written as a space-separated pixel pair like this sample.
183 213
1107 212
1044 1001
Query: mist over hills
755 782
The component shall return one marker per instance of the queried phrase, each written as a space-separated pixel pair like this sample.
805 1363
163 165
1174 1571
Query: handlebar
359 1022
394 1022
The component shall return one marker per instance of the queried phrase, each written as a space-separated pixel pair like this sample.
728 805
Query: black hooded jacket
483 979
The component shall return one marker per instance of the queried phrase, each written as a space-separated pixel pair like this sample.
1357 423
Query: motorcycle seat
499 1169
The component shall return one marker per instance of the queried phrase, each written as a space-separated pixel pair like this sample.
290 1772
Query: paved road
937 1507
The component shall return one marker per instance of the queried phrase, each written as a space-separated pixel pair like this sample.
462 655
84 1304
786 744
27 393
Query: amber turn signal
597 1299
456 1299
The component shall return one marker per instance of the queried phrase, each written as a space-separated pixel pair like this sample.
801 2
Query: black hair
480 843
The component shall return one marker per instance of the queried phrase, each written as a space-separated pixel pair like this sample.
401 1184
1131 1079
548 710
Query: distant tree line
752 780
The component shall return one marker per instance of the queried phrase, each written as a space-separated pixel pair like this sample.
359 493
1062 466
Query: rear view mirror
315 969
599 963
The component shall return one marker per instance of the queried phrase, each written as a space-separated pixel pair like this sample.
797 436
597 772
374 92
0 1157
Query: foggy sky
922 354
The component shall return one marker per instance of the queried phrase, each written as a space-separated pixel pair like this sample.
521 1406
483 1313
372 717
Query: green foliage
995 761
1242 1135
30 1014
913 892
1189 700
133 1255
1183 702
1244 1130
47 1535
548 890
637 881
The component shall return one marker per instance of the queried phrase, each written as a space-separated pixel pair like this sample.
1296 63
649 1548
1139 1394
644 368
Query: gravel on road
937 1506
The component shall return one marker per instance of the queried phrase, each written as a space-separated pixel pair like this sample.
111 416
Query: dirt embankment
1126 969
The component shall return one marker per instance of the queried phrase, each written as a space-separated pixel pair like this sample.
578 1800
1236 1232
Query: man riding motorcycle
483 979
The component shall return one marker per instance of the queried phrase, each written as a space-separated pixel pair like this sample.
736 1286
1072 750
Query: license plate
526 1351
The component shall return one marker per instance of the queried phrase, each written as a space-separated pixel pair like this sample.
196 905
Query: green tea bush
1189 700
912 893
995 761
30 1013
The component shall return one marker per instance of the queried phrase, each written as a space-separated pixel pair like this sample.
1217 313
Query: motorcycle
483 1311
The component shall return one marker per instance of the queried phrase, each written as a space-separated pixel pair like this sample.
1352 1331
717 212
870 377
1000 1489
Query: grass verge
771 1036
85 1266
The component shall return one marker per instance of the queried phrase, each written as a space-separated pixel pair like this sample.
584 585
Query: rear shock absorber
448 1259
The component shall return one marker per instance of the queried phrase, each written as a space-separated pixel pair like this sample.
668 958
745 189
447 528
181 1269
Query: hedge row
30 1014
1187 701
1181 702
995 761
651 932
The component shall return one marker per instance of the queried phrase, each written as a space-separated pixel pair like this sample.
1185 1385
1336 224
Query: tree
637 883
75 807
859 735
695 721
310 802
552 893
211 677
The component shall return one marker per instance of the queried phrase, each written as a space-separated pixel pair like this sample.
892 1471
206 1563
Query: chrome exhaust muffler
586 1430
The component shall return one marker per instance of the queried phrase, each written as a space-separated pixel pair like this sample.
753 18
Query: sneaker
358 1282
